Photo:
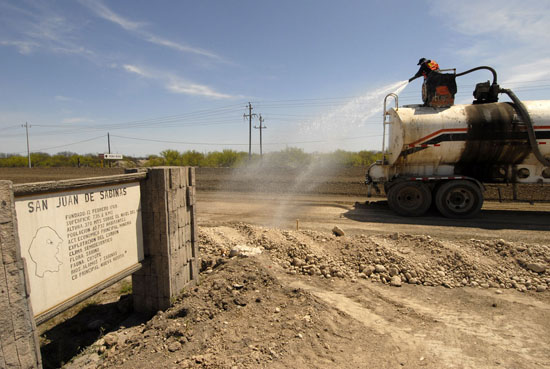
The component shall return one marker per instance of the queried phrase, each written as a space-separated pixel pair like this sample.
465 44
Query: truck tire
409 198
459 199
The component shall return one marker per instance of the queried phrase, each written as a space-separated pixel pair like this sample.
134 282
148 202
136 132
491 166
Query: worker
426 68
438 89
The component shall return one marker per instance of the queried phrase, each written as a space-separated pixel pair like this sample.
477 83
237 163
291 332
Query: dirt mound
394 258
238 316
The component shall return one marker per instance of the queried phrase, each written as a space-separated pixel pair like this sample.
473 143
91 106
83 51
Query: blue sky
178 74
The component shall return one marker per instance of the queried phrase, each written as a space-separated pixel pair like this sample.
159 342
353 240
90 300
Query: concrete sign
75 240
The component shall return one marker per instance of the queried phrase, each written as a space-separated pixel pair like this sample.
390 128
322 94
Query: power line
324 141
148 124
221 116
165 119
179 142
82 130
9 127
243 144
202 117
64 145
70 144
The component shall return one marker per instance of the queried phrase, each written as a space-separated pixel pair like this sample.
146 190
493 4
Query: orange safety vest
433 67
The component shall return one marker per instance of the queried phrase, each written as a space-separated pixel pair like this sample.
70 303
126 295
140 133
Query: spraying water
333 126
343 121
336 125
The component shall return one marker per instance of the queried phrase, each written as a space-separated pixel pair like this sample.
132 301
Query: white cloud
182 87
180 47
533 71
526 20
102 11
40 28
77 120
176 84
63 98
135 69
24 47
43 28
510 35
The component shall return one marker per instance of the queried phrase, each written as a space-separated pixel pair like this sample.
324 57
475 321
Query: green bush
171 157
40 159
14 161
154 161
288 158
192 158
224 159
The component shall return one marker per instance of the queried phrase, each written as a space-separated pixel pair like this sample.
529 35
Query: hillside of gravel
390 259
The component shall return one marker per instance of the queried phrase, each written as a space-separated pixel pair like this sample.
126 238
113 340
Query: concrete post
169 238
18 339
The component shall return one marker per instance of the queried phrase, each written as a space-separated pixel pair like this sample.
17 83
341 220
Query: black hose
478 68
524 114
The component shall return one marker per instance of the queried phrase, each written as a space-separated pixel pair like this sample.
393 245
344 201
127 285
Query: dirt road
512 221
393 292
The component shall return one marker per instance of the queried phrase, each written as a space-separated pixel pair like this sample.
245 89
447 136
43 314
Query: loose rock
395 281
243 250
111 339
380 268
536 267
174 346
338 231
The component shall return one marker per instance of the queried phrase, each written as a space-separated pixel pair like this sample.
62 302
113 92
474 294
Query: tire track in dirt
447 336
411 344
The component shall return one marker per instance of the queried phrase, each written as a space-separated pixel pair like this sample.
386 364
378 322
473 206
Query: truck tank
442 155
488 142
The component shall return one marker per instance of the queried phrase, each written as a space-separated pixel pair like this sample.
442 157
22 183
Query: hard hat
422 60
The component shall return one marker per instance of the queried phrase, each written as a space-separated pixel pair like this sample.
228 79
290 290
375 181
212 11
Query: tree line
289 157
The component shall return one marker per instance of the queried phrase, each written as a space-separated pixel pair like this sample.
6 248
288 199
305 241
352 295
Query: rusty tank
445 154
485 141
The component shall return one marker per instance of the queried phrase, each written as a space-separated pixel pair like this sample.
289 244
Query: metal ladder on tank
385 114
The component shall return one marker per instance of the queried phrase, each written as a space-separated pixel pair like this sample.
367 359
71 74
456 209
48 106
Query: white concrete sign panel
112 156
75 240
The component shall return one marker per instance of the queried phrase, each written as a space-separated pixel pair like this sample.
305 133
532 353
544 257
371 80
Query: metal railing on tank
385 113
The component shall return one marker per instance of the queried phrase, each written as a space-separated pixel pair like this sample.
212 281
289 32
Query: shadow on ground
62 342
379 212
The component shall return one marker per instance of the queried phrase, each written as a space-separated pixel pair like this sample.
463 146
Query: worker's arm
418 74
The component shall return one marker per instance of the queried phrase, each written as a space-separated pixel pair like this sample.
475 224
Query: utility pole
109 146
249 115
260 128
26 125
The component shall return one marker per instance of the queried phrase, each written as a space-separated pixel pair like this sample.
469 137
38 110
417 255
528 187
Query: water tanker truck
442 155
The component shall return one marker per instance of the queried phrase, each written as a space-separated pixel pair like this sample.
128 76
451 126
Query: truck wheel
409 198
459 199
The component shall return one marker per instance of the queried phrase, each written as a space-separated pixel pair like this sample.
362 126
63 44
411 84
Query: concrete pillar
169 238
19 347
